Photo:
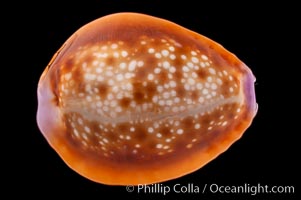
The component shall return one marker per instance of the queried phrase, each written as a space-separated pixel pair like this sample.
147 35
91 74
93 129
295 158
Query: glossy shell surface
135 99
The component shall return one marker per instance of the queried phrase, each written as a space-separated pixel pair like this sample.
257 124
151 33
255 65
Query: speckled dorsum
134 99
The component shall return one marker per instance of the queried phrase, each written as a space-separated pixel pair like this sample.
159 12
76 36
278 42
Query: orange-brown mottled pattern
134 99
141 101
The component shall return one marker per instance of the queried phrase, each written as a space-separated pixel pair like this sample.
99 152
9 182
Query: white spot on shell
212 71
150 77
204 57
180 131
151 50
197 126
150 129
132 65
124 53
164 53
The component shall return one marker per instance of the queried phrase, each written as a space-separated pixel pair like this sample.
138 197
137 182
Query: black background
260 35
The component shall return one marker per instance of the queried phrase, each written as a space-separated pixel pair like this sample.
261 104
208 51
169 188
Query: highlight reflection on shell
134 99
